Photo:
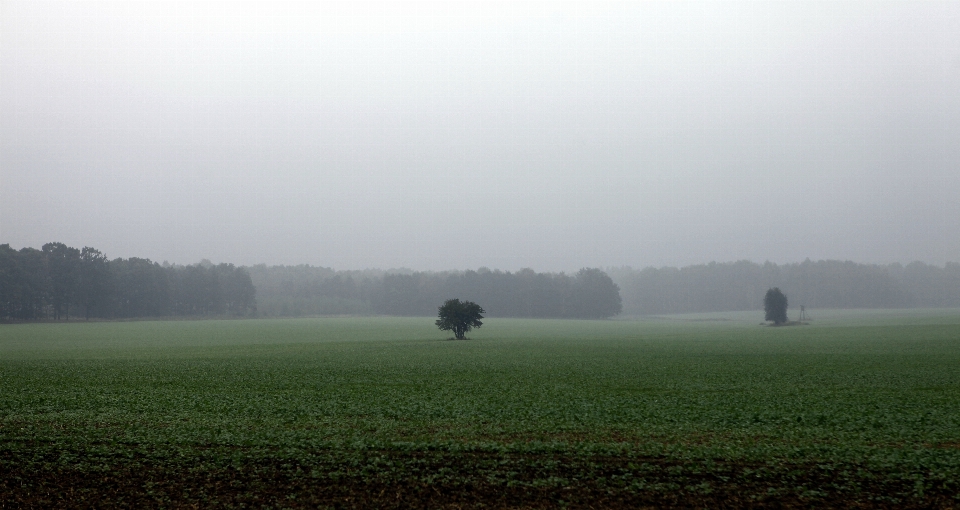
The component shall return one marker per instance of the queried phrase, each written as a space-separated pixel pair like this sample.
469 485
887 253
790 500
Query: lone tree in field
459 317
775 306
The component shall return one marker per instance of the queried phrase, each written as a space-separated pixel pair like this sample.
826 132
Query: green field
694 410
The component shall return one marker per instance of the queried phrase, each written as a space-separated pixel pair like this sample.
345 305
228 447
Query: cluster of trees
742 285
307 290
291 291
58 280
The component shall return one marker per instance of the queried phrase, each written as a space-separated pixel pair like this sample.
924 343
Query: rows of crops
353 412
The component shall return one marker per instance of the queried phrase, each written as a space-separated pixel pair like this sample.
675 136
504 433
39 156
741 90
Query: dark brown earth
440 480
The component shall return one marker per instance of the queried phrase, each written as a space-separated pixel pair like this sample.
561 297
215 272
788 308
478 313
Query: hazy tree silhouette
775 306
93 289
63 264
459 317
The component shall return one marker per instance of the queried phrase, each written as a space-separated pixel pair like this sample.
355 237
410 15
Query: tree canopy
775 306
459 317
310 290
736 286
57 279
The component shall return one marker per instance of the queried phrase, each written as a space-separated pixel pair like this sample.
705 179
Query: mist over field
505 135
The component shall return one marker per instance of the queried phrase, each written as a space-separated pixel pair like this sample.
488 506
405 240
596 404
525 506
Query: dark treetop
459 317
775 306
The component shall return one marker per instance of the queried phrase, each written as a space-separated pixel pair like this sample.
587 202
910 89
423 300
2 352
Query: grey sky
438 136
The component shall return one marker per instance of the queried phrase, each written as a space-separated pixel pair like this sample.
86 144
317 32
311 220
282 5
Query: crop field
857 409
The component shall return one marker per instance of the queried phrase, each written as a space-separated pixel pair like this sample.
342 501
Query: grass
856 408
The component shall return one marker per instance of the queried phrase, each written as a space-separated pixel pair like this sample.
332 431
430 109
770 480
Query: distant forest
308 290
58 281
592 293
823 284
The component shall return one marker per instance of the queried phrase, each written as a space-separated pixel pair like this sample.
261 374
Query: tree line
58 281
736 286
309 290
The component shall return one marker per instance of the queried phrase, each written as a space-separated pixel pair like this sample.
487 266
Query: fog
437 136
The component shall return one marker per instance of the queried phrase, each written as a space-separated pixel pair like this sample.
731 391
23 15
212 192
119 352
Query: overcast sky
439 136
